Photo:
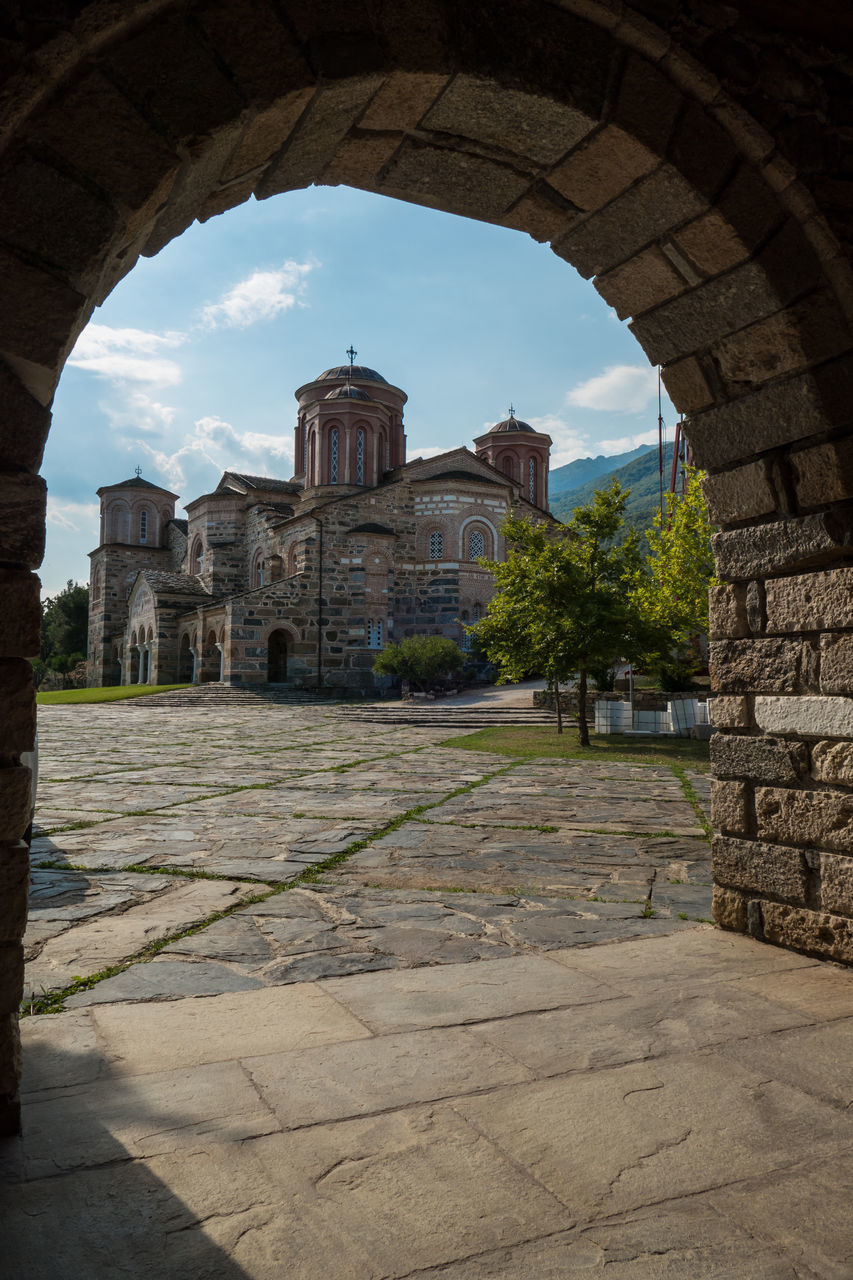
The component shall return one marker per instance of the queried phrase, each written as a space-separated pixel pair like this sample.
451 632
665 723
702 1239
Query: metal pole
319 604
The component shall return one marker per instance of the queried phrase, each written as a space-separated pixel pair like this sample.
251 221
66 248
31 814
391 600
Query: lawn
113 694
539 741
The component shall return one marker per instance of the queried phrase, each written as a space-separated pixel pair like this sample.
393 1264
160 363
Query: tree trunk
558 707
583 728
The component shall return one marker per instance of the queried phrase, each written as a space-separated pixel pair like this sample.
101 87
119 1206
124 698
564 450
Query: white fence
678 719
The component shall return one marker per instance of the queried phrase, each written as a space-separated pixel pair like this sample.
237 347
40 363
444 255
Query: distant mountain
642 477
575 474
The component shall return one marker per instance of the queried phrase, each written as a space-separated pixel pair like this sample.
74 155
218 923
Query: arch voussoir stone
623 142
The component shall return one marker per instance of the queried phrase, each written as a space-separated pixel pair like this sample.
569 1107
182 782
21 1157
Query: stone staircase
441 713
225 695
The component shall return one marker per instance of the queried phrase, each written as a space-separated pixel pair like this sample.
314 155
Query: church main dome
358 373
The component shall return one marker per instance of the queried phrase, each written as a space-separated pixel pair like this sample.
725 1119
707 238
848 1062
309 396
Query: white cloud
127 354
74 517
569 442
621 444
621 388
261 296
214 445
139 413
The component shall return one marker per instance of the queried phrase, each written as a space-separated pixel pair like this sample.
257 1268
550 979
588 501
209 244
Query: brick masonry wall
685 155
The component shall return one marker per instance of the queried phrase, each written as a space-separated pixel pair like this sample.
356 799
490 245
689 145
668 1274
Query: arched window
531 480
476 545
359 457
197 556
257 576
508 467
96 585
374 634
312 449
119 522
476 613
333 456
143 526
436 545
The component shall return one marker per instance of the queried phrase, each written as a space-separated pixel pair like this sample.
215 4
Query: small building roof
173 584
269 483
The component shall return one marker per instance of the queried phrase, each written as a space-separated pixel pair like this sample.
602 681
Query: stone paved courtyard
419 1011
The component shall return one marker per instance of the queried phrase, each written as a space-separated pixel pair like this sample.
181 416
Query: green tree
420 659
64 627
671 590
563 602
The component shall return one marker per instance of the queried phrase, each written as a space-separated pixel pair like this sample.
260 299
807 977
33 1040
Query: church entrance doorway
186 663
277 657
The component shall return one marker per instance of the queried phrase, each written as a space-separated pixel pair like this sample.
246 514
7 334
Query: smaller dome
512 423
347 392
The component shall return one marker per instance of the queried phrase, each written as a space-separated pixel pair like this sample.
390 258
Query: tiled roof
183 525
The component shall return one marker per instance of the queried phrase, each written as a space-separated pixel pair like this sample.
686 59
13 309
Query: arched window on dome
476 544
119 521
360 441
312 464
531 481
436 544
333 456
143 525
508 466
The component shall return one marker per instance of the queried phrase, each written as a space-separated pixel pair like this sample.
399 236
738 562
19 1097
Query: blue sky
190 365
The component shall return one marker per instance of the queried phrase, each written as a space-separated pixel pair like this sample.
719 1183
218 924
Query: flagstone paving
354 1004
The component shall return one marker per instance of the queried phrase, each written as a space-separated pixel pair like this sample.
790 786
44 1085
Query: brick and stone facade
688 155
301 581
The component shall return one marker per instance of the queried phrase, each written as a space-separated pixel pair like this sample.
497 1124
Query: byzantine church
298 582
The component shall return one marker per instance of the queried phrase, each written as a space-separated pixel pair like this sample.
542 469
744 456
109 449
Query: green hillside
640 476
583 470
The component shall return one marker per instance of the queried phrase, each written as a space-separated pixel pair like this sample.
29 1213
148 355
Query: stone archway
627 146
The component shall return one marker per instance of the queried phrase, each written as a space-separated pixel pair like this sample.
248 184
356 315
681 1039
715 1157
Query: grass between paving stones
541 741
54 1001
692 798
213 795
114 693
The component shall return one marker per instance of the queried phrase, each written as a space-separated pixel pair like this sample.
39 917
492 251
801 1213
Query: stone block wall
782 803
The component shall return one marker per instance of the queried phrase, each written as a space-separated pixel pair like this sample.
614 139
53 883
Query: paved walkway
340 1001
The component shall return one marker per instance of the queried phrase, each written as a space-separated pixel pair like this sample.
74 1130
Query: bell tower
521 453
135 516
